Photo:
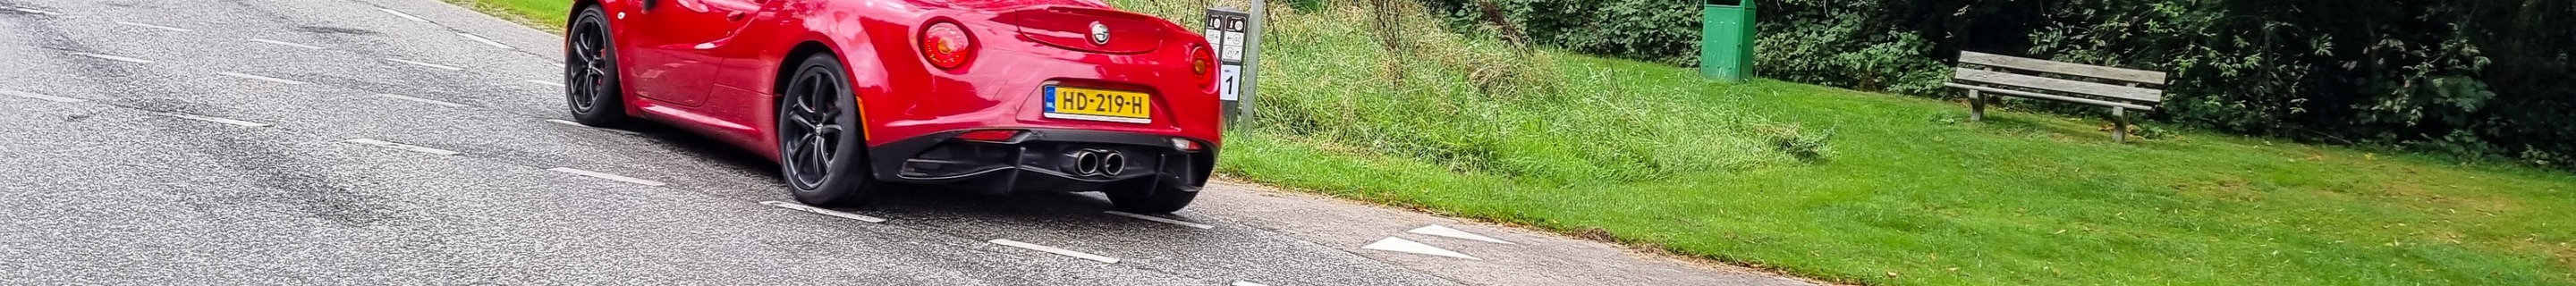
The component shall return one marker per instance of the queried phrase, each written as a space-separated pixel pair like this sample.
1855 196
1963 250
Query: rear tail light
1203 63
1202 60
1185 144
989 135
947 45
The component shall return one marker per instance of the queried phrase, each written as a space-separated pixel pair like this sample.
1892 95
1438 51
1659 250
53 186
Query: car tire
1148 197
820 150
592 89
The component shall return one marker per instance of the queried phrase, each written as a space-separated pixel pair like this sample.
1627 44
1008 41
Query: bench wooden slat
2105 90
2038 65
2052 97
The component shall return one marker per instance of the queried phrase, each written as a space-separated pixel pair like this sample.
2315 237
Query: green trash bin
1726 40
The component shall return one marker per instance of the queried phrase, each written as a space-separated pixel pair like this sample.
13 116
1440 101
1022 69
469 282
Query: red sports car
851 95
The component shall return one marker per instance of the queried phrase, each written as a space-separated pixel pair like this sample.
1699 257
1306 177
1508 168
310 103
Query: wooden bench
2118 88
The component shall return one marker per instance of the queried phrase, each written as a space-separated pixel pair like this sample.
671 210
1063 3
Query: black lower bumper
1041 159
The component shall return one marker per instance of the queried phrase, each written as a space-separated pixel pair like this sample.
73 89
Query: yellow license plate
1099 105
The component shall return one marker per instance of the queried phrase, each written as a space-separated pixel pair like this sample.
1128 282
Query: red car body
717 67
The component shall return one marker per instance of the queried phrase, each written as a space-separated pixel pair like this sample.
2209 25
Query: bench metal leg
2119 125
1976 106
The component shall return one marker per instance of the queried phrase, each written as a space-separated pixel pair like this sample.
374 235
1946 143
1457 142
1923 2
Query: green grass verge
1855 186
1899 191
547 15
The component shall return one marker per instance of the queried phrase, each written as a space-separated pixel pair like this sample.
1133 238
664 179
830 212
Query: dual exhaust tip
1099 162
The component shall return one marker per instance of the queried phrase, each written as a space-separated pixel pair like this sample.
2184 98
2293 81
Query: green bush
1653 30
2410 73
1840 51
2431 74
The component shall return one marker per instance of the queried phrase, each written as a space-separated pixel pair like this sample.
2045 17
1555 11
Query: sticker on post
1229 82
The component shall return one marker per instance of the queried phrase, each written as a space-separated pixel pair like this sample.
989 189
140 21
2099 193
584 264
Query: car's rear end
1063 96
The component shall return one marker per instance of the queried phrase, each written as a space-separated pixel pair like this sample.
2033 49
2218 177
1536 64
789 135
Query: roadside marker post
1236 36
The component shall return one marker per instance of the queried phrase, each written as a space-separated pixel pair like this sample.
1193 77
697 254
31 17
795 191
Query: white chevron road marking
1409 246
1444 231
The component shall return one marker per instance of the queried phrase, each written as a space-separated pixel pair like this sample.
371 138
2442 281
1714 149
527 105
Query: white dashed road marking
1162 220
1455 233
166 28
421 100
284 43
1057 251
578 124
114 58
400 146
555 84
260 78
405 16
1409 246
40 96
612 177
486 41
216 119
34 11
430 65
834 213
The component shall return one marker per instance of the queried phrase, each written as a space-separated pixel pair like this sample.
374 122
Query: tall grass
1478 104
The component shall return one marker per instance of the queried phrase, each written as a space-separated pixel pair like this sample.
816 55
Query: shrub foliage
2479 77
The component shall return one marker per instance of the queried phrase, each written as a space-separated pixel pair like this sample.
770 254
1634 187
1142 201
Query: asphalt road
414 142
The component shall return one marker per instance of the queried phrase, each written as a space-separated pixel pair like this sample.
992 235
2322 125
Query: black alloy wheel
819 136
591 85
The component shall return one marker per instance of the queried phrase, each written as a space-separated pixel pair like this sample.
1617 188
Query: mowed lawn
1904 191
1909 199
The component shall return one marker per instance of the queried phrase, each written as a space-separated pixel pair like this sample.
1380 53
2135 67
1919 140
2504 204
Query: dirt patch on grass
2561 253
2227 189
2566 256
2412 192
